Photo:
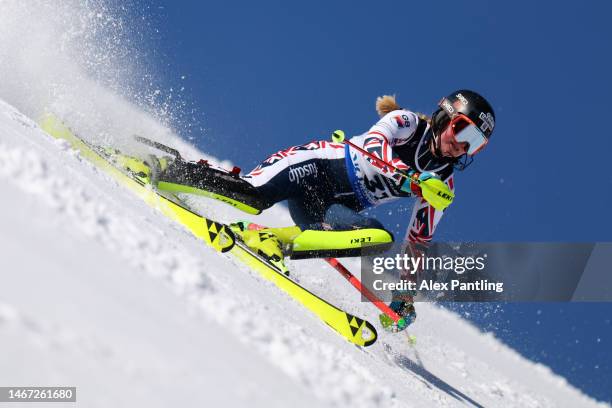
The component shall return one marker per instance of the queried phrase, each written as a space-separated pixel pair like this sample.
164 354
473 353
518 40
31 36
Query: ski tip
357 331
369 334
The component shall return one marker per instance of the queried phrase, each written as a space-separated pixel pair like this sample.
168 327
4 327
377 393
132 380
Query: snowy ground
101 292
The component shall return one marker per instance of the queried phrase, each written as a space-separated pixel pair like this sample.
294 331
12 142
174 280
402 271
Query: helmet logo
488 122
462 99
448 106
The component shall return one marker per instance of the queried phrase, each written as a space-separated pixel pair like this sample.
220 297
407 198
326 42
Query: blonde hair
387 103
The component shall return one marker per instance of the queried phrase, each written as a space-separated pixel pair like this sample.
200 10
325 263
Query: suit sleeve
425 219
397 127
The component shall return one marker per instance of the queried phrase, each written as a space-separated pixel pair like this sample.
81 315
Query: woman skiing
328 184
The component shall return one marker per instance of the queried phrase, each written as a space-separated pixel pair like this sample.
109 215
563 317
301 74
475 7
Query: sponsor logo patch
487 121
448 107
403 121
462 99
298 173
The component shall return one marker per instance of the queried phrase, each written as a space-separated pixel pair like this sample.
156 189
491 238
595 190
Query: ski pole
159 146
434 190
338 137
382 306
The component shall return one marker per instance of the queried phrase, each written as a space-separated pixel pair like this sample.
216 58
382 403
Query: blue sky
263 76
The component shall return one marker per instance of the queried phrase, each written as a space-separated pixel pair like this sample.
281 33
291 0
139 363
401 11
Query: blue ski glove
405 310
410 185
429 186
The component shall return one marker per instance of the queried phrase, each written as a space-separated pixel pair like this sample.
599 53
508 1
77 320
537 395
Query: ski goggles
466 131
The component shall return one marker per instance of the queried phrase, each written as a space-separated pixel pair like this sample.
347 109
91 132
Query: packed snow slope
101 292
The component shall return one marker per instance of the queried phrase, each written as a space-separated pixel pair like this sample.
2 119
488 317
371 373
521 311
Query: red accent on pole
364 291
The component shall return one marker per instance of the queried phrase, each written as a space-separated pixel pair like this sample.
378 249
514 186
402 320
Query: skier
328 184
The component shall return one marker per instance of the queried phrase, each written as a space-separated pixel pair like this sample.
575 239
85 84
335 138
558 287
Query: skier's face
449 146
461 136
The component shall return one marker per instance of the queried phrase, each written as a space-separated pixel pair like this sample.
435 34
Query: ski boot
146 170
202 178
340 243
308 244
263 241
